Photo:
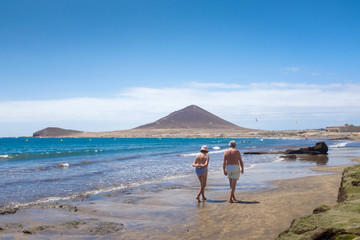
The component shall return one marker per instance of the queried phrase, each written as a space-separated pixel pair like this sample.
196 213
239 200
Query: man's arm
241 163
224 164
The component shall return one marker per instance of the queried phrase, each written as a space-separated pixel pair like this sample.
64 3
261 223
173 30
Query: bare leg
232 183
203 185
198 195
233 190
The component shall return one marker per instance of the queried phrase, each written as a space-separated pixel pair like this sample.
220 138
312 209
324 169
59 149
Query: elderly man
231 168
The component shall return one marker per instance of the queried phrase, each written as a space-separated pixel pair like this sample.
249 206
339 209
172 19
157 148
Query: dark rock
355 183
7 211
319 148
27 232
289 157
321 209
257 153
38 229
328 234
342 195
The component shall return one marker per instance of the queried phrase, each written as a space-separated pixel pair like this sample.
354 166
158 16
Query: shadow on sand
248 202
239 202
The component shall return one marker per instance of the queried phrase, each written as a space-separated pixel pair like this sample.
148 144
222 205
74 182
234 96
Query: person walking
232 159
201 163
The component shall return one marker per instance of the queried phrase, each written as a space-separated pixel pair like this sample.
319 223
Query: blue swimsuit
201 171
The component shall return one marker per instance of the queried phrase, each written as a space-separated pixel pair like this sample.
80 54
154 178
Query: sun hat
204 148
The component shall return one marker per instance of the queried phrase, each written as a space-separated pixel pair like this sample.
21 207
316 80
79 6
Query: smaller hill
55 132
191 117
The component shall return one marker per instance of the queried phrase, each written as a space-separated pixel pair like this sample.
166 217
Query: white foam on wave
93 192
216 148
279 159
195 154
63 165
4 156
188 154
339 145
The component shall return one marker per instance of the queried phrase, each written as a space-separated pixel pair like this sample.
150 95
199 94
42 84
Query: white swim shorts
233 171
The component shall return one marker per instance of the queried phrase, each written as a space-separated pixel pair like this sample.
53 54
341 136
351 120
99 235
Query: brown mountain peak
54 132
190 117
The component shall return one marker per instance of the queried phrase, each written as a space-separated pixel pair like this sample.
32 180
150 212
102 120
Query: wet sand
173 212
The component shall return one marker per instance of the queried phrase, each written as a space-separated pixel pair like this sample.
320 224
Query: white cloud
135 106
216 85
290 69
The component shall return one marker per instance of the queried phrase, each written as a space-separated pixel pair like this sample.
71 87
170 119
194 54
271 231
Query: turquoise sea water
42 170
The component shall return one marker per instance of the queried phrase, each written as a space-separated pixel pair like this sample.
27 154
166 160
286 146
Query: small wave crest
63 165
195 154
339 145
56 154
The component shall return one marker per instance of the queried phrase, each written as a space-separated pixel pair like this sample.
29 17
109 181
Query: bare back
232 157
201 159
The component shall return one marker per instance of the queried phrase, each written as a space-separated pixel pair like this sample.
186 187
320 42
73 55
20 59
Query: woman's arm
195 163
207 161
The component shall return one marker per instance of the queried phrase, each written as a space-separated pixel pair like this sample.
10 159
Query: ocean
39 170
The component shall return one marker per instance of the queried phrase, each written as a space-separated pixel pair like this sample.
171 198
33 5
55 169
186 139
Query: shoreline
173 213
208 133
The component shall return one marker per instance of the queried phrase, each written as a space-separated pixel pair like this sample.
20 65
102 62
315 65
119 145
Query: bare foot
230 201
234 200
204 198
198 198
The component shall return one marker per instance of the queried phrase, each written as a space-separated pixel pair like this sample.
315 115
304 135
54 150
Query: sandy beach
173 213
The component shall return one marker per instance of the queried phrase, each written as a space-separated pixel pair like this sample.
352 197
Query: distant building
345 128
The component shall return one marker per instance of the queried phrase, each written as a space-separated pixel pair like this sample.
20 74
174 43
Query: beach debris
9 210
57 206
10 226
36 230
106 228
73 224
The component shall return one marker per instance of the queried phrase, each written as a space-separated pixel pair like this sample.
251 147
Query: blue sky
112 65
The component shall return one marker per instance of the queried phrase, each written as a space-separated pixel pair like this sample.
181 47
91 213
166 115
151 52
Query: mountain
191 117
55 132
191 121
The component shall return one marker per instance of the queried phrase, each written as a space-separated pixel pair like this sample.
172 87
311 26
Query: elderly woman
201 163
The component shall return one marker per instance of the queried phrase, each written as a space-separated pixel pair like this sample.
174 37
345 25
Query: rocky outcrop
319 148
341 221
